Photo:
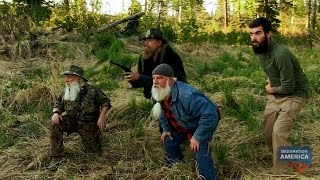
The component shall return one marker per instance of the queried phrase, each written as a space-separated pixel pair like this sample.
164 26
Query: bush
189 29
217 37
170 32
102 41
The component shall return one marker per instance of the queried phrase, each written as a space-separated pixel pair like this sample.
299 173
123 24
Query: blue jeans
203 156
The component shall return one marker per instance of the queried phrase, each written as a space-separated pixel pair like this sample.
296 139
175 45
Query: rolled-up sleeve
59 105
102 99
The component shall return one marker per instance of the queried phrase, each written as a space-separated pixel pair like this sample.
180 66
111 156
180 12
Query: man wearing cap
81 108
286 89
185 113
156 51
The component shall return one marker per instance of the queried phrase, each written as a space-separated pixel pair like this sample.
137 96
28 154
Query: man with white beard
184 113
81 108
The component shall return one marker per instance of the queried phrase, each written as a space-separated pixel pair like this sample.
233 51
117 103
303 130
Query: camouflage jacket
87 105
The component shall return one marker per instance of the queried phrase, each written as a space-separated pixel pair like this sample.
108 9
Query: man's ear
269 34
171 81
160 42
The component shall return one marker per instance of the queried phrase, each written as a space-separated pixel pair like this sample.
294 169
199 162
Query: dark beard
262 48
147 53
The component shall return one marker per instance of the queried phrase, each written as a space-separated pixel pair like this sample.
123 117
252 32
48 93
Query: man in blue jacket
185 113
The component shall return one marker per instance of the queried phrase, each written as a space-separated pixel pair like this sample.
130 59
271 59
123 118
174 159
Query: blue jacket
192 110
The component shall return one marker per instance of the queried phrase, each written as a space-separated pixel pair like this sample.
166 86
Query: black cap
75 70
154 33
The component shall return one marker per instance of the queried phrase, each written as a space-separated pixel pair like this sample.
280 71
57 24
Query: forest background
41 39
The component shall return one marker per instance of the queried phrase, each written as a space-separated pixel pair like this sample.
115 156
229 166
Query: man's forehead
71 76
256 29
151 39
158 75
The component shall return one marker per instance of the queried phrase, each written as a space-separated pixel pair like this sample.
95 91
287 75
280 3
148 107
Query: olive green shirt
284 71
87 105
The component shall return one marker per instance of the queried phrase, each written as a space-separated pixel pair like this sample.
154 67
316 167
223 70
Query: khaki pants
278 118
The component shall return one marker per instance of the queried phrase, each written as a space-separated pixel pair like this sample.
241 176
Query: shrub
217 37
102 41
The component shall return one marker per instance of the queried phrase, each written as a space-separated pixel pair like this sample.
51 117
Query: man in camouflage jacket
81 108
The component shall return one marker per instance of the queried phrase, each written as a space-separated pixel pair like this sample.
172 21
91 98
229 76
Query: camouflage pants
88 131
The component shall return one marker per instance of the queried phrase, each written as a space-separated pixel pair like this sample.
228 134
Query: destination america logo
300 158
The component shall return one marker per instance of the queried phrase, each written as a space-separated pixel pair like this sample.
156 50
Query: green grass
133 149
6 140
221 153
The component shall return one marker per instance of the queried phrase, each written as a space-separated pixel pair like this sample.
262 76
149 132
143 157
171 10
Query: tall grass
132 147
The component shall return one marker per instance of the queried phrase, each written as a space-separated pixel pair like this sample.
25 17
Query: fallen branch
134 16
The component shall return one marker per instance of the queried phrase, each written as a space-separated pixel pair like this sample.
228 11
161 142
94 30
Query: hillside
229 75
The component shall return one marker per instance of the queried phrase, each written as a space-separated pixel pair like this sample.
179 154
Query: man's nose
155 82
68 80
253 37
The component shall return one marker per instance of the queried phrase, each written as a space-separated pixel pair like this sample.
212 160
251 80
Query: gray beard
71 92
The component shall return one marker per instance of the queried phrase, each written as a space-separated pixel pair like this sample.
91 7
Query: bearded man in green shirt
286 89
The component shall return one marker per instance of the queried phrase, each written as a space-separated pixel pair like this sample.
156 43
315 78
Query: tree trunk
226 14
309 22
109 26
161 12
313 16
308 14
266 8
239 11
67 5
145 5
180 11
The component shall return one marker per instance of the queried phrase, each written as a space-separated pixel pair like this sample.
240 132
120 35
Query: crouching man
81 108
185 113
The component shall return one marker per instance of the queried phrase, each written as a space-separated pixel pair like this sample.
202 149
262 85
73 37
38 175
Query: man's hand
55 119
102 122
269 89
131 76
194 144
102 117
164 136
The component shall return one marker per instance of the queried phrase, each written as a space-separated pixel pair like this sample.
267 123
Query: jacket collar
175 92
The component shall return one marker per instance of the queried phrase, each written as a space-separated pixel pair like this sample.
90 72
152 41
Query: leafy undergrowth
229 75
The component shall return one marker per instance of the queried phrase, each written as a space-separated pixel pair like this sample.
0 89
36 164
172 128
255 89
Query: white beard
159 94
71 92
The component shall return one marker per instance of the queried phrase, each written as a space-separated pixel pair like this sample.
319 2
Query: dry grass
130 152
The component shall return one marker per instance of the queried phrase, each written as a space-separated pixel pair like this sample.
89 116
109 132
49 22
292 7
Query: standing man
81 108
185 114
156 51
287 87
